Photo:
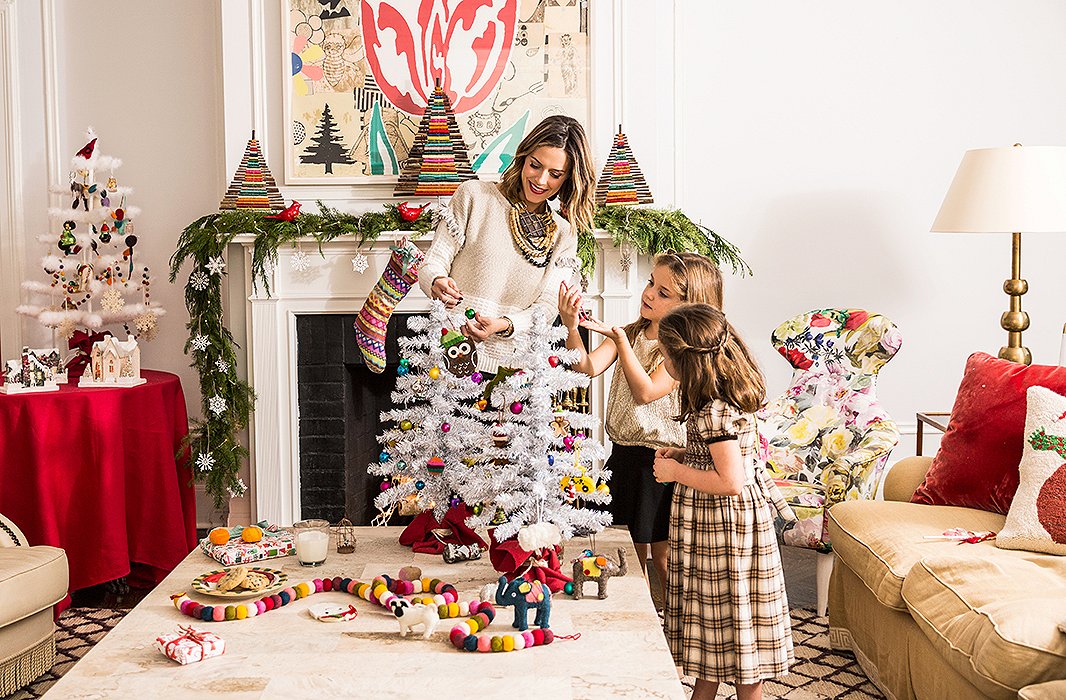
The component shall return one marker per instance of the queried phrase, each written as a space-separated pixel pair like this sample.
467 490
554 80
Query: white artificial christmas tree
96 279
545 468
436 430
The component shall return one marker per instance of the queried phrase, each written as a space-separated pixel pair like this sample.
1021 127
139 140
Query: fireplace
339 402
288 467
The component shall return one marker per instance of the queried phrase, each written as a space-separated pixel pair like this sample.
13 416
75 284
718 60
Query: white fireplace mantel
331 286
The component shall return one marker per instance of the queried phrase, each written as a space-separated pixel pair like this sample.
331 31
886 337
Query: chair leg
824 567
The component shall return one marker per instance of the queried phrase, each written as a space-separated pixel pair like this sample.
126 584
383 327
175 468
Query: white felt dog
411 614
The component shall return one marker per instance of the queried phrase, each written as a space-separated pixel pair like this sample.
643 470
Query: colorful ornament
516 407
477 377
554 360
470 313
406 424
386 485
434 373
445 427
383 456
435 465
460 353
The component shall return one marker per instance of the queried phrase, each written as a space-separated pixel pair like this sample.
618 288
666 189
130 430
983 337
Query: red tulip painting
464 45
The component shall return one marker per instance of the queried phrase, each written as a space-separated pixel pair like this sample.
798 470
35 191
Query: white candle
311 546
1062 349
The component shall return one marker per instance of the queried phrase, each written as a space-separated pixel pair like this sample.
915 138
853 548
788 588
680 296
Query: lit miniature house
113 363
35 370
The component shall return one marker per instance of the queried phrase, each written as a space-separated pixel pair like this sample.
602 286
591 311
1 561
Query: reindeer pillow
1036 520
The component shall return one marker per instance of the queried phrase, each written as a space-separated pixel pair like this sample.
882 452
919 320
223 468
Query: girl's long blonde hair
577 192
697 278
710 360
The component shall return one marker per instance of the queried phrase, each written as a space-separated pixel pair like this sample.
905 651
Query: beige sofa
32 580
937 619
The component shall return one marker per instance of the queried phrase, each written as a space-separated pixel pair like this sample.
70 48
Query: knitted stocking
399 275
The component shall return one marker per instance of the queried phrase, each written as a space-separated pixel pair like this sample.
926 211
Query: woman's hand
481 327
666 469
445 290
569 305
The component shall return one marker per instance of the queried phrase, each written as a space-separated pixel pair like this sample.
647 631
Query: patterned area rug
77 630
819 672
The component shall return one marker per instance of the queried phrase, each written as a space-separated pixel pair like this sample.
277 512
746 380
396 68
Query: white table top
285 654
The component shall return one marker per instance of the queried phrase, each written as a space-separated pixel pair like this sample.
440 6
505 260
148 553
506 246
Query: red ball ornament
516 407
385 485
445 427
554 360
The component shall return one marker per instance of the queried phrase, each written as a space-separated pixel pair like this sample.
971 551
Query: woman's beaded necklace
533 234
382 591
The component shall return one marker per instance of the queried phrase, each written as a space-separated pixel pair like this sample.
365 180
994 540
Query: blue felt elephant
524 595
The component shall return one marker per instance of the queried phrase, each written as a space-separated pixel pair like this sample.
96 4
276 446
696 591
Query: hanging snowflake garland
216 266
205 462
300 261
200 342
111 300
216 404
199 280
238 489
221 365
360 263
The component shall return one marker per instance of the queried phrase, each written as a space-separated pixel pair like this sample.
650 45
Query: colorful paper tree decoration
253 185
438 161
622 182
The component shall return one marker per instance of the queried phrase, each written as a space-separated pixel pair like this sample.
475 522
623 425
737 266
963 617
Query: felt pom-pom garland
382 590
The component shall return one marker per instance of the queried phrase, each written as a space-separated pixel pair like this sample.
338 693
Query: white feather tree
95 279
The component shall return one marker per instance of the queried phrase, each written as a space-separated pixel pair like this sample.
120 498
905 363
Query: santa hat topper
449 338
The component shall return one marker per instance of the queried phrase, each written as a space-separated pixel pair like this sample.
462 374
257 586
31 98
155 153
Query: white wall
818 136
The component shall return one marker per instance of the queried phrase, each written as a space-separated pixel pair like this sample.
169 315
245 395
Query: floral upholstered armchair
827 439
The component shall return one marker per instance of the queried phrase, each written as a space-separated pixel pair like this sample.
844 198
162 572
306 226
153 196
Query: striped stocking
399 275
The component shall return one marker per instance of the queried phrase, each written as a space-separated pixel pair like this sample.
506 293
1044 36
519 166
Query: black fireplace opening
340 403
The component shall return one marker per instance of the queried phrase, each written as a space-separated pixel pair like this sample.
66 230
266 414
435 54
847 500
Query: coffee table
285 654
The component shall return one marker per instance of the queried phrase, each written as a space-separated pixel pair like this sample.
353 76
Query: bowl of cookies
240 581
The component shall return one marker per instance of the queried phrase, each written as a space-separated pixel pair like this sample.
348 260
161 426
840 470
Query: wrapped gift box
189 645
275 543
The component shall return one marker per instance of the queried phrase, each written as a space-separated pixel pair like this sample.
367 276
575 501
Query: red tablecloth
94 471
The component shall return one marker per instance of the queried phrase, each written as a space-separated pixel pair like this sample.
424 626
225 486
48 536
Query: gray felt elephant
597 568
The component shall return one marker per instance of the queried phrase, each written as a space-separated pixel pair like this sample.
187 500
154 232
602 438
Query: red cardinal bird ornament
409 213
86 151
289 213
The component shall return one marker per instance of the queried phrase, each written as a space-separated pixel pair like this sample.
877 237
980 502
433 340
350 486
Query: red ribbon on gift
192 634
82 345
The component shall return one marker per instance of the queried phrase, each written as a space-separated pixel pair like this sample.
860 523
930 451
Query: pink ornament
516 407
554 360
445 427
385 485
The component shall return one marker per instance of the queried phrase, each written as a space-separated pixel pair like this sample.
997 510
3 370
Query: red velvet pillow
977 463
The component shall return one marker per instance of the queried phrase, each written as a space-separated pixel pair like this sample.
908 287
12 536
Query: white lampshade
1018 189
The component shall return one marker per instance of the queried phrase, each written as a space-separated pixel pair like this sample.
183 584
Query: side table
935 420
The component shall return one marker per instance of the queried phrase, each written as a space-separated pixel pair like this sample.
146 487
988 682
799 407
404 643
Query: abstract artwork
363 73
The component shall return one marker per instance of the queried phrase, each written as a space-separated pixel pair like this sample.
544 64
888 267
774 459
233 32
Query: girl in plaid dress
726 610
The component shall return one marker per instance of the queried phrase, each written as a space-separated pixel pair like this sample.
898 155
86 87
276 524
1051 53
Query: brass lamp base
1015 321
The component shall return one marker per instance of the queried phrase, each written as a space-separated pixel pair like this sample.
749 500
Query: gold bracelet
509 330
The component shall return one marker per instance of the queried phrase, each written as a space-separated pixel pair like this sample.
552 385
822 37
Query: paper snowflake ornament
65 329
199 280
205 462
216 404
221 365
360 263
239 489
200 343
111 300
147 324
300 261
216 265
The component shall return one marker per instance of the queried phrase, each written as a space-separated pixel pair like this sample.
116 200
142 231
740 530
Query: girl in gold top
644 398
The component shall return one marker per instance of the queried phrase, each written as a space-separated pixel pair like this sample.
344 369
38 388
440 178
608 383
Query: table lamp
1021 189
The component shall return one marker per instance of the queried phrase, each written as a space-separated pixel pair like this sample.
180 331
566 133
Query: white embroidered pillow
1036 520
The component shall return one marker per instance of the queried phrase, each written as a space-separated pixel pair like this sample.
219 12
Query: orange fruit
219 535
252 534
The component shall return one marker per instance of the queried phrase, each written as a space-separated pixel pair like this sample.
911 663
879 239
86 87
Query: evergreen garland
648 231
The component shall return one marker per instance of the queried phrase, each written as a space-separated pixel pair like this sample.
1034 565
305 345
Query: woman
501 250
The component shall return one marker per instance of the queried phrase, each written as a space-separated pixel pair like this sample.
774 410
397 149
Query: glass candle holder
311 538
